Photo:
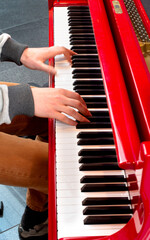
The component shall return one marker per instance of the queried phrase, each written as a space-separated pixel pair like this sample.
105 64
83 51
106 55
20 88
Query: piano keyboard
92 192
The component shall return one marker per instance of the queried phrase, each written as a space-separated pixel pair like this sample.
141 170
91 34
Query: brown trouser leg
24 162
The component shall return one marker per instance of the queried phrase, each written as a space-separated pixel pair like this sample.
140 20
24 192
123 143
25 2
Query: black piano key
107 210
85 125
99 166
83 35
79 57
99 113
78 7
83 14
93 70
104 134
71 14
79 11
97 152
87 27
94 90
106 201
84 50
98 159
103 179
85 58
75 48
91 187
93 99
82 42
96 105
89 86
106 219
95 141
87 75
85 64
91 91
82 30
79 23
79 19
91 82
99 118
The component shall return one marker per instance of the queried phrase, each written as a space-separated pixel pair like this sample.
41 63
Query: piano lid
123 123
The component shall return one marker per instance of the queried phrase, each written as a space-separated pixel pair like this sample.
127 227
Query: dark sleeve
12 51
20 100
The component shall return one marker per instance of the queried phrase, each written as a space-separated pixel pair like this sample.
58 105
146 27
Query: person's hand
34 58
56 103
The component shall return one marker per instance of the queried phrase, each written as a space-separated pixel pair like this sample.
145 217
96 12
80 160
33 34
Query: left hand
34 58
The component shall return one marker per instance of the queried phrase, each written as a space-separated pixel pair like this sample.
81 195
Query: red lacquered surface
65 3
52 177
124 128
135 69
143 15
145 191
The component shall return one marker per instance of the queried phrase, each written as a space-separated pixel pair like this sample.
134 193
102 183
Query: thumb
48 69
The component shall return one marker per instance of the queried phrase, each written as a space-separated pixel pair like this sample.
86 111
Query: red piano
99 172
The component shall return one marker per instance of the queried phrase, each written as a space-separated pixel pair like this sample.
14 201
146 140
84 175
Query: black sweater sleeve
12 51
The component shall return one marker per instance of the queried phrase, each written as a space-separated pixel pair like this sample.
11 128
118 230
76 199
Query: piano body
99 172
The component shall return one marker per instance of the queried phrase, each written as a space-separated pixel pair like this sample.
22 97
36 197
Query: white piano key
80 174
76 228
77 193
69 209
75 185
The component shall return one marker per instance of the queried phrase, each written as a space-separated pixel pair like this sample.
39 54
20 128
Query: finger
72 95
63 118
75 100
68 54
46 68
79 106
72 52
73 113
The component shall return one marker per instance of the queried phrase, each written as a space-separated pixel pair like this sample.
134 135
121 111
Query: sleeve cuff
12 51
20 100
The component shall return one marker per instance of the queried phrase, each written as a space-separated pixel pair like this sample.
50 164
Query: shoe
34 225
38 232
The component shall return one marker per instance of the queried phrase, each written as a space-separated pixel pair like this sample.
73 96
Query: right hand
53 102
34 58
